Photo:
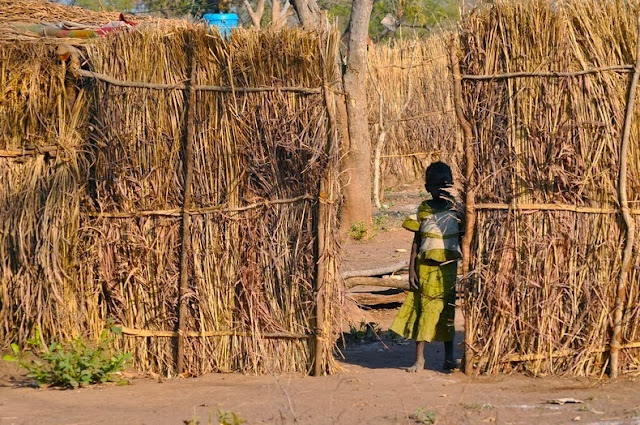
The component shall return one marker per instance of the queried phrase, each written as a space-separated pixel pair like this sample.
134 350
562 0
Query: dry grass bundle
15 13
48 11
251 271
40 196
425 130
545 281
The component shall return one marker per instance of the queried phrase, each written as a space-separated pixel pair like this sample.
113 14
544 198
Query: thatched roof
34 11
15 12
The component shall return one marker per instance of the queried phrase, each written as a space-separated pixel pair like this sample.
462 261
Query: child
428 312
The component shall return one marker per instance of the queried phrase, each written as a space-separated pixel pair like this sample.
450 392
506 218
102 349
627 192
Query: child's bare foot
417 367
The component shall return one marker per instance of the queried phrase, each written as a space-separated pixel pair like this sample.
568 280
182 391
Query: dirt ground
372 389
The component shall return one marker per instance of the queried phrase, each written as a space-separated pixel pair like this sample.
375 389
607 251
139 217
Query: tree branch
256 15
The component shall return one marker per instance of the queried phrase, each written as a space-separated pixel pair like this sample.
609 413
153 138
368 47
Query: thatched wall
257 229
545 276
39 194
412 77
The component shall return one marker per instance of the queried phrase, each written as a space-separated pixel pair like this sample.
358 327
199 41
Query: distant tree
276 14
180 8
110 5
419 16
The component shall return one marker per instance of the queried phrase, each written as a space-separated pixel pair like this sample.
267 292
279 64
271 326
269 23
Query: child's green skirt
428 314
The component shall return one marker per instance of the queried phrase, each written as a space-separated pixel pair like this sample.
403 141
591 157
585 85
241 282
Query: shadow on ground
388 353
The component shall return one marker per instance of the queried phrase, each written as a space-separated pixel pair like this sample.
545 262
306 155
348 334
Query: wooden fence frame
471 208
185 213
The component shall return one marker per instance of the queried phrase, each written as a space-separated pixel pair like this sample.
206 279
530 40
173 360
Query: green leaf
15 348
9 358
116 330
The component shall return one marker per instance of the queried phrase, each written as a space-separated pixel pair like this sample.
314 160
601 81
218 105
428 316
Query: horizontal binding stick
550 207
196 87
548 74
177 212
561 353
426 115
403 155
174 334
16 153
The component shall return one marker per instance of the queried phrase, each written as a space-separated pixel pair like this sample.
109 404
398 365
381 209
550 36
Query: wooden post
324 214
318 364
469 186
616 338
190 100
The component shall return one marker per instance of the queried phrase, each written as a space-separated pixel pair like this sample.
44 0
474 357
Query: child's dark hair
439 168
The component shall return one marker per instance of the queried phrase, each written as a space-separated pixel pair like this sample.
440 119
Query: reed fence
411 114
544 96
203 207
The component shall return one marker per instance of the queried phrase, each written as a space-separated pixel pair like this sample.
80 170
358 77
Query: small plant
633 413
224 418
358 231
229 418
380 222
73 364
478 406
423 416
365 331
394 337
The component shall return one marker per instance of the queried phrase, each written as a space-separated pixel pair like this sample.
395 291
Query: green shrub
229 418
423 416
359 230
224 418
73 364
364 331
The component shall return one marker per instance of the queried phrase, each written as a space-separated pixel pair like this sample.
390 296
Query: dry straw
255 269
421 124
545 279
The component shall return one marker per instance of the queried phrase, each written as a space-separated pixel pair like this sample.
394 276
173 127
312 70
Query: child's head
437 178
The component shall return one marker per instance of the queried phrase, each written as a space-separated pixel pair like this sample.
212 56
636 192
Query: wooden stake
616 338
469 185
190 101
325 272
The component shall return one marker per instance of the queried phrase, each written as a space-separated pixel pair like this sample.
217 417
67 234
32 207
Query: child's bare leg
449 362
419 364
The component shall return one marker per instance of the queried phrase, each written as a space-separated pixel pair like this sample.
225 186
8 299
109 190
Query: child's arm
414 281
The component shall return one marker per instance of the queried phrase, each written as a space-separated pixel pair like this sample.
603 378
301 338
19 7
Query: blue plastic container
225 22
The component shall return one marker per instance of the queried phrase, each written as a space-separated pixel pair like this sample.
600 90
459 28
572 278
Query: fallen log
379 271
376 281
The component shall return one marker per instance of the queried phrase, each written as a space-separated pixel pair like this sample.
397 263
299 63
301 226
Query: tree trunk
275 13
309 14
357 154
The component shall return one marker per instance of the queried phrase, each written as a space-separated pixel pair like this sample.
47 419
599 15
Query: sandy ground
372 389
